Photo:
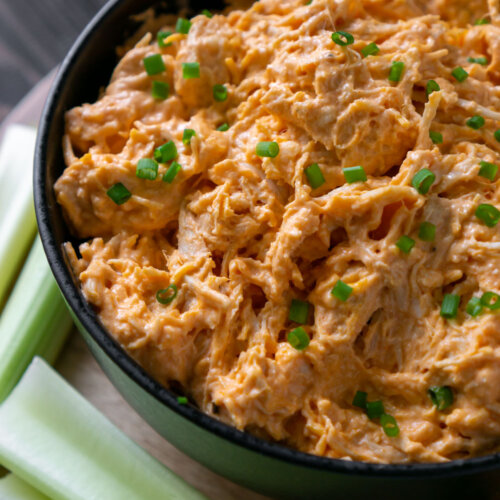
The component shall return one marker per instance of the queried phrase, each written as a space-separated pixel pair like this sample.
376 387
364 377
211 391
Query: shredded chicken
241 235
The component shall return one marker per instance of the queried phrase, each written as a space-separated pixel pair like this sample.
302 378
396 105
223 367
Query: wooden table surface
34 37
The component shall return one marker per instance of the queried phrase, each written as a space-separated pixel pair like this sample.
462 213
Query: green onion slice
491 300
423 180
481 21
314 176
160 37
405 244
441 397
389 424
172 172
267 149
298 338
342 38
119 193
207 13
160 90
483 61
489 214
396 71
474 307
147 169
459 74
375 409
427 231
190 70
166 152
475 122
436 137
187 135
360 399
299 311
183 26
354 174
167 295
370 50
449 306
219 92
488 170
341 291
496 135
432 86
182 400
223 128
154 64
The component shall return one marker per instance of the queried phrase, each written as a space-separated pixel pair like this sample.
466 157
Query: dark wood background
34 37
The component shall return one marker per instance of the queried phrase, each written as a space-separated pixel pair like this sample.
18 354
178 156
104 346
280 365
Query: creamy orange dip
242 235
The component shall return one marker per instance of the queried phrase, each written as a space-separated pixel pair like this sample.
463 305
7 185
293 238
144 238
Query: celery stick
35 320
13 488
55 440
17 216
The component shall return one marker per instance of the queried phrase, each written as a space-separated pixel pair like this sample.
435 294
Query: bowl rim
134 371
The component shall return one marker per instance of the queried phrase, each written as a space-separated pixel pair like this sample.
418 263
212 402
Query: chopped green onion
182 400
172 172
183 26
55 440
161 36
147 169
220 92
35 320
405 244
154 64
488 170
459 74
374 409
341 291
314 176
475 122
436 137
207 13
481 21
160 90
223 128
299 311
489 214
298 338
449 306
496 135
427 231
483 61
267 149
187 135
396 71
441 397
354 174
167 295
119 193
370 50
432 86
423 180
342 38
389 424
190 70
166 152
491 300
474 307
359 399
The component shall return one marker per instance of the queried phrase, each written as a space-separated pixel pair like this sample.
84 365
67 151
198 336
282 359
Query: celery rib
35 320
56 441
13 488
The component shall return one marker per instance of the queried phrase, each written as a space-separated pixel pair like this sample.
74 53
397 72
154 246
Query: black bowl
265 467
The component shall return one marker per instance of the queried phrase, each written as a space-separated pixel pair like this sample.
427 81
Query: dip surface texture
242 235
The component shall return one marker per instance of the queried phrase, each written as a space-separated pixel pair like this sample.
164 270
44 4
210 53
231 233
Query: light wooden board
78 366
